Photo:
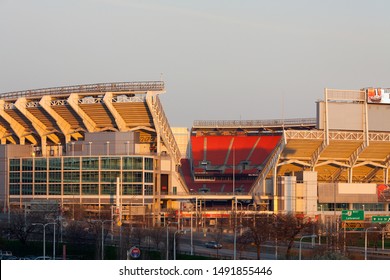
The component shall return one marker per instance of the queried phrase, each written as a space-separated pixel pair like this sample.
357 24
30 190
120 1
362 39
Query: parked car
9 257
42 258
213 245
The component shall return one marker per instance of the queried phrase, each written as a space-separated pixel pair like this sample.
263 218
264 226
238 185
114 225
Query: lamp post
174 242
192 242
90 148
365 241
72 148
300 243
383 238
44 238
168 238
102 222
235 230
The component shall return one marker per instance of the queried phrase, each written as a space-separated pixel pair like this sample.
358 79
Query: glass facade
81 175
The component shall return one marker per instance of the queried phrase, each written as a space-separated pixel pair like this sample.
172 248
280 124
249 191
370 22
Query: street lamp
90 148
104 221
127 147
44 238
300 243
72 148
168 237
365 241
174 242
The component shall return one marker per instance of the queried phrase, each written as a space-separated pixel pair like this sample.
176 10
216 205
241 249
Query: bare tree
157 236
289 227
258 231
75 232
21 224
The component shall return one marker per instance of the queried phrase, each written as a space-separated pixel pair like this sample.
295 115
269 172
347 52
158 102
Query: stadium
109 148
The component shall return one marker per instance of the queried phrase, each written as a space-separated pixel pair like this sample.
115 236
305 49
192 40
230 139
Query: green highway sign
380 219
352 215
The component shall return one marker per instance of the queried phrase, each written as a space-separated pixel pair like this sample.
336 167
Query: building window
27 164
148 177
55 177
108 189
71 189
54 189
71 177
148 164
132 163
14 189
90 163
109 176
40 189
111 163
40 177
55 164
40 164
27 189
27 177
129 189
14 177
90 189
71 163
14 165
148 190
90 176
132 177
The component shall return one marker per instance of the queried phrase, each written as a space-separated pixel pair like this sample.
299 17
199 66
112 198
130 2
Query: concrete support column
350 174
44 145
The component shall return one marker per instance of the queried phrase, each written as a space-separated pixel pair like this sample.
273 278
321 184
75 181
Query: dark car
213 245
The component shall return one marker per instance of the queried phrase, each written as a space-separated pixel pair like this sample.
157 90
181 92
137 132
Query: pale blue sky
221 60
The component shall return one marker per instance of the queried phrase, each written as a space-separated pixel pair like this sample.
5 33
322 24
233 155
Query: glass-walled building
96 181
81 176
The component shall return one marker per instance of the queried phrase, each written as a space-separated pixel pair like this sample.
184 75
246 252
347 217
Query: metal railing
345 95
90 88
256 123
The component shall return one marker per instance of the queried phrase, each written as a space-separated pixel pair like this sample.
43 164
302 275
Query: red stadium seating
213 156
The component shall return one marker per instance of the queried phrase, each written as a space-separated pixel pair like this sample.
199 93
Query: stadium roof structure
59 115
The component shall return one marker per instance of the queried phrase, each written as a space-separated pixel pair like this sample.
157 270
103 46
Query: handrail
89 88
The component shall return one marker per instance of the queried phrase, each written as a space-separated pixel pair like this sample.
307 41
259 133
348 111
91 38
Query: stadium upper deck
119 128
60 115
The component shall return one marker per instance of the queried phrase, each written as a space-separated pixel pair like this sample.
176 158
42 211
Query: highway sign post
380 219
353 226
352 215
134 253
